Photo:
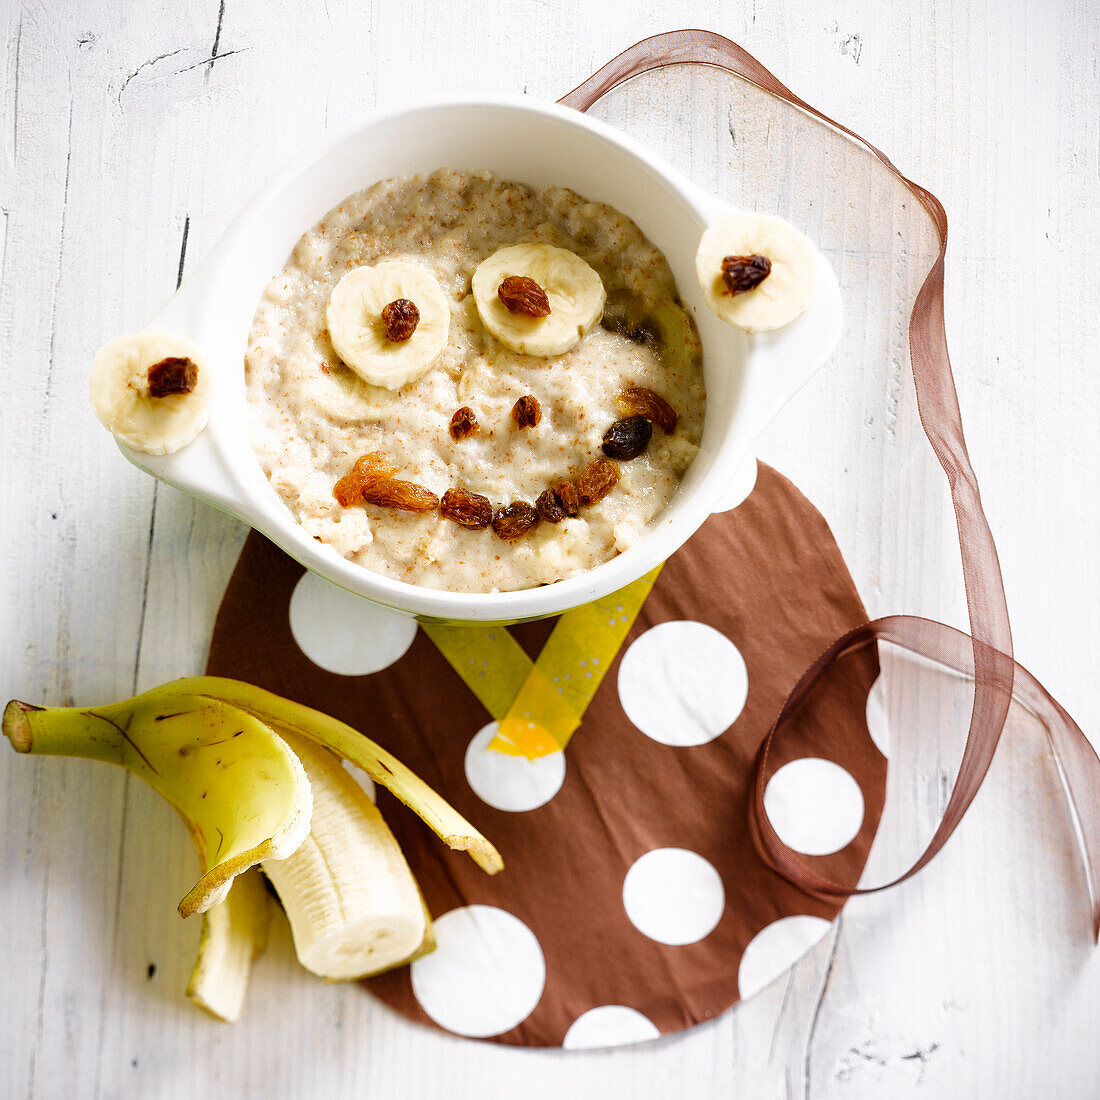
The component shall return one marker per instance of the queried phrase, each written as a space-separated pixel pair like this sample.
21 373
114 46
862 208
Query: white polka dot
877 723
346 634
683 683
486 974
362 779
511 783
739 488
814 805
673 896
775 949
609 1026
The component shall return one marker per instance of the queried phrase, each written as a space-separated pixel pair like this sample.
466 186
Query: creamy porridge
311 417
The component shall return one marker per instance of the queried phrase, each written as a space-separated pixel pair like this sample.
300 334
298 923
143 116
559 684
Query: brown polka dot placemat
633 901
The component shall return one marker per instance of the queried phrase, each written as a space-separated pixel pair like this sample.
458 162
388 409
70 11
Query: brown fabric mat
769 577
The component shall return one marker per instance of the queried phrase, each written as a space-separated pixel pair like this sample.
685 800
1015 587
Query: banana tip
17 729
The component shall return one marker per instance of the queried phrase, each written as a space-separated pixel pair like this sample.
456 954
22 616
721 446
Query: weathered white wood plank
123 124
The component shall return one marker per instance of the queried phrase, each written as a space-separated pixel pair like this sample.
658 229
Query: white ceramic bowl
748 378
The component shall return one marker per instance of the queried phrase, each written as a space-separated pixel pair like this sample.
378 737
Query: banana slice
129 373
359 334
574 292
784 292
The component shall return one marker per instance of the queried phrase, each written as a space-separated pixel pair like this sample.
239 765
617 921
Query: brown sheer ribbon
986 654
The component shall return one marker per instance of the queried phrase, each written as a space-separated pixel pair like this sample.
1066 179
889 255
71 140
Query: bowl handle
207 467
779 363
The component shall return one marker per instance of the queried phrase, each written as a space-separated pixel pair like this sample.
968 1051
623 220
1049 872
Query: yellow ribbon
539 704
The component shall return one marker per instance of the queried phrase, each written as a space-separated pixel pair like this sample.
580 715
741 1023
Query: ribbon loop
986 653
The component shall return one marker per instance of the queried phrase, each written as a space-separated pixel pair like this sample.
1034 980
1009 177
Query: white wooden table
132 133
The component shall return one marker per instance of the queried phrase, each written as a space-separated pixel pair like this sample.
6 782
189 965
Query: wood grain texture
125 126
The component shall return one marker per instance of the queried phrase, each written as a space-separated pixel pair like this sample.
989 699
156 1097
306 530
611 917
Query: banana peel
286 716
242 793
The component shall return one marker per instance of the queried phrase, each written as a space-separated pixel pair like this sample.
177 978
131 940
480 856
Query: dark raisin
405 495
741 273
596 480
467 509
627 438
173 375
400 319
515 520
527 411
463 423
637 399
549 506
523 295
368 471
570 499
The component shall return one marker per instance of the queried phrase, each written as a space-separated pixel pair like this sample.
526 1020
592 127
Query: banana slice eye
568 305
389 322
757 271
151 391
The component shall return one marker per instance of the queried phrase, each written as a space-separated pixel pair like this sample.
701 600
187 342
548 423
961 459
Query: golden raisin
741 273
463 423
638 399
173 375
515 520
406 495
400 319
523 295
527 411
467 509
596 480
368 470
570 499
627 438
549 506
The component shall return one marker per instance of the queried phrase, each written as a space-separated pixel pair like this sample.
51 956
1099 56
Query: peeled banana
151 391
258 778
574 291
785 291
356 328
352 902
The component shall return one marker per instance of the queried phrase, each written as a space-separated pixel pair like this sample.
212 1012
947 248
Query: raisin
549 506
596 480
741 273
515 520
368 471
627 438
400 319
467 509
637 399
173 375
527 411
570 499
406 495
463 423
523 295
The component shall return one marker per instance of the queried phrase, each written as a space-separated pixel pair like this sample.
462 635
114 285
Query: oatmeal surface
311 417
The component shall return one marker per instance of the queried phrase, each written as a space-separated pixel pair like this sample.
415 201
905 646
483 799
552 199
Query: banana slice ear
783 293
151 391
573 290
359 334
